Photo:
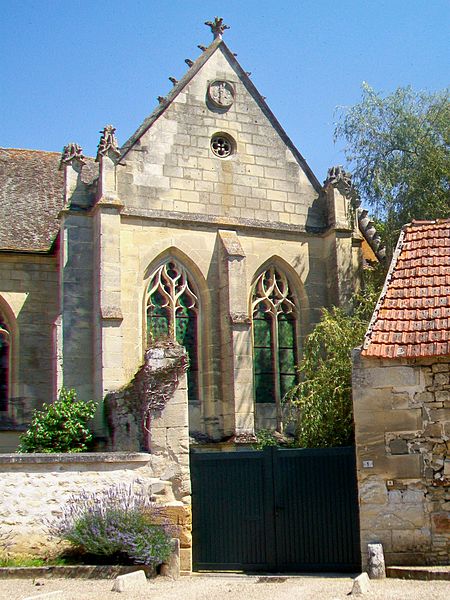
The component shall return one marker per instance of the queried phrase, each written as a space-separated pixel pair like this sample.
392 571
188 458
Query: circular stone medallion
221 93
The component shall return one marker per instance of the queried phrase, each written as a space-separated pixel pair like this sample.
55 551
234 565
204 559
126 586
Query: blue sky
69 68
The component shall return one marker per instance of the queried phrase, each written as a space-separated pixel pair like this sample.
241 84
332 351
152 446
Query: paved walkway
223 587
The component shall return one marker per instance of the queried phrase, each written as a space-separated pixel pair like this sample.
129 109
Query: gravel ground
237 587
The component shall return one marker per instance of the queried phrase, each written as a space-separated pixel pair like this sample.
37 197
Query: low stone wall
33 487
402 429
150 413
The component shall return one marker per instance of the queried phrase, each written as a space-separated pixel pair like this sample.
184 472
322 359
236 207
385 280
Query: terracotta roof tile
412 318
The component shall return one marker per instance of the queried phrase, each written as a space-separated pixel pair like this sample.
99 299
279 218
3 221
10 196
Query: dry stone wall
402 425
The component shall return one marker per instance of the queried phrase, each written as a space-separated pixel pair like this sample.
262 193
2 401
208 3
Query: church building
207 226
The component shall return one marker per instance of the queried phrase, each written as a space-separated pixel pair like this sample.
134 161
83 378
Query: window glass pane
261 330
264 386
4 371
286 361
286 331
157 318
263 359
186 334
287 382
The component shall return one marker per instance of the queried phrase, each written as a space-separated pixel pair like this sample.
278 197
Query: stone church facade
207 226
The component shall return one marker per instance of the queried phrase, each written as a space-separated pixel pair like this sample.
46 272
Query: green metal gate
275 510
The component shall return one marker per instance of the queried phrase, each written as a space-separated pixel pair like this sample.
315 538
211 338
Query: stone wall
151 413
145 243
29 304
172 168
33 487
402 425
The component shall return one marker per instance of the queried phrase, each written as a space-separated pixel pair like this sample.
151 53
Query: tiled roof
412 318
31 196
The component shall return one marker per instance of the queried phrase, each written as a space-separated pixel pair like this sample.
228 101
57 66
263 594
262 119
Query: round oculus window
222 145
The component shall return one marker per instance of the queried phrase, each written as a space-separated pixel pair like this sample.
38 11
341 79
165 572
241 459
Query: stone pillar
343 240
151 413
75 259
237 366
108 358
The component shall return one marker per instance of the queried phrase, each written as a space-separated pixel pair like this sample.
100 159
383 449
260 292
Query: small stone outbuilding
401 396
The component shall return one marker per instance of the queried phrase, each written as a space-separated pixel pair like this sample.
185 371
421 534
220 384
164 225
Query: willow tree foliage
398 150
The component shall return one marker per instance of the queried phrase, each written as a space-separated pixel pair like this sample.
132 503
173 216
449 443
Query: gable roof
31 196
412 317
189 75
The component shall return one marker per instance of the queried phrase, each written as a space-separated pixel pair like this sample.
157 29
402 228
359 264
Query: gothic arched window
275 313
5 357
172 312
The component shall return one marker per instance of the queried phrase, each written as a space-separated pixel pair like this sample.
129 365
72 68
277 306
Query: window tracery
274 312
172 313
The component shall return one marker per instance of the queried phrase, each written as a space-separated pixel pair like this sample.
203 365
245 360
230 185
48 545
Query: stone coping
73 572
425 573
75 458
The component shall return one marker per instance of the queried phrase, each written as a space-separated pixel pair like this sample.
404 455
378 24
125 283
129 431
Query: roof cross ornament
108 142
217 27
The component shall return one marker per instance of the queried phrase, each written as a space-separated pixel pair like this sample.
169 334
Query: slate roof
31 196
412 317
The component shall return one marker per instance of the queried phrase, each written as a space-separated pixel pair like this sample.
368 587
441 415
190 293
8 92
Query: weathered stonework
166 194
402 425
28 300
33 488
134 411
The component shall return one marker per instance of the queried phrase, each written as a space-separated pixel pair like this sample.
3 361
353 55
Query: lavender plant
119 522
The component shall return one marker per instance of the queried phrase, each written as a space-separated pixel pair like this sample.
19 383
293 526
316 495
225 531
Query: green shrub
60 427
266 438
321 404
117 522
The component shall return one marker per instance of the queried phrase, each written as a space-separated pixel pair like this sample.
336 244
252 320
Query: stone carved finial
338 174
72 152
217 27
108 142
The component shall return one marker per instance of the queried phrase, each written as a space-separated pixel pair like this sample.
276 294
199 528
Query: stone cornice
185 219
